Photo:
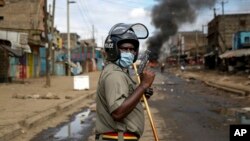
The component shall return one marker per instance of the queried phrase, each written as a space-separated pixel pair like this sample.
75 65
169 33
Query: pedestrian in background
183 64
162 67
120 114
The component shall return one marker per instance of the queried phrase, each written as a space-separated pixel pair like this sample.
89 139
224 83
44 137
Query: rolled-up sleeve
116 90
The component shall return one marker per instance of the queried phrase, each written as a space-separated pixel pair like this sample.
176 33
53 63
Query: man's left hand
149 92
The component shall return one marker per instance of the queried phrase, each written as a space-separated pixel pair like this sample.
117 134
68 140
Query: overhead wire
84 18
85 7
84 11
86 15
126 5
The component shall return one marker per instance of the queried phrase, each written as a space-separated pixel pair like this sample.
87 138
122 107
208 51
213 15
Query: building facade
221 30
31 22
188 45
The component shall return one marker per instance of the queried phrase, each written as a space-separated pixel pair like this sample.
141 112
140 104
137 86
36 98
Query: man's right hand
147 78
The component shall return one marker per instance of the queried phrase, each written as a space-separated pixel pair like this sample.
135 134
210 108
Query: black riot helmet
124 33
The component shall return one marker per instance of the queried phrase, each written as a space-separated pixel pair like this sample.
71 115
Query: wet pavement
77 129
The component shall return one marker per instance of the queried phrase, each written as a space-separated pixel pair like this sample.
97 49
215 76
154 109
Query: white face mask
127 59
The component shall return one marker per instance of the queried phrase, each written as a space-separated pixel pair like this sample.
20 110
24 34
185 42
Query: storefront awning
14 48
24 48
14 41
209 54
17 53
235 53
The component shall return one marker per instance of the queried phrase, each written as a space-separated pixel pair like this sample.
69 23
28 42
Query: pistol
144 61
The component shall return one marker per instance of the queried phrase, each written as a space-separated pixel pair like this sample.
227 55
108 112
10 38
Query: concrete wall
223 27
189 41
73 40
22 14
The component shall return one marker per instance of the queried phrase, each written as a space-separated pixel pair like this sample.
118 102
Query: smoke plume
168 15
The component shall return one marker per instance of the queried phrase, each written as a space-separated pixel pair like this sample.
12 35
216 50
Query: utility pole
68 40
223 21
68 33
197 45
93 36
179 48
214 12
49 40
222 5
93 32
203 36
53 35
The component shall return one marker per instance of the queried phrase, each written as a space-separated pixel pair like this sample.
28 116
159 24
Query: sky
98 16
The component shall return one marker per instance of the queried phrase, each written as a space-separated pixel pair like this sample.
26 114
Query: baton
147 107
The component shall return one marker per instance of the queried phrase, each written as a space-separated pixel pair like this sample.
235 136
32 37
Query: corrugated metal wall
42 52
30 65
60 69
22 67
14 67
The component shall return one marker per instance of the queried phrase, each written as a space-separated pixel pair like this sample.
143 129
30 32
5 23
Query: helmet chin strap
119 63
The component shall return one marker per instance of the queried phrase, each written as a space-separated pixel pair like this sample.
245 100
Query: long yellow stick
147 107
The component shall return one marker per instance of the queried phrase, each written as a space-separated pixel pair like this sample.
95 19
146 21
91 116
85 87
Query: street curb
37 119
242 91
10 133
216 85
238 87
65 106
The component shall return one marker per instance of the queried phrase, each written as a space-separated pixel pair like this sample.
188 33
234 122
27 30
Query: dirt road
183 109
193 111
27 109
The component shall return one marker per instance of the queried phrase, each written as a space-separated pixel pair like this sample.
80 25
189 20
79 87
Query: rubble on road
36 96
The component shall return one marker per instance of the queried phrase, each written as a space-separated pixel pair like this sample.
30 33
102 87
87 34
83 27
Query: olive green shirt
114 87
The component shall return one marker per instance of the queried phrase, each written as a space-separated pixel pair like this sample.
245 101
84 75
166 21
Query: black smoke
168 15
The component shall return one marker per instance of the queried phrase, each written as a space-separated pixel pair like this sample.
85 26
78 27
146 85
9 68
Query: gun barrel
144 61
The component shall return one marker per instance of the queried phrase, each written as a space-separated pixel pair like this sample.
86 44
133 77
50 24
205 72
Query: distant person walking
162 67
183 66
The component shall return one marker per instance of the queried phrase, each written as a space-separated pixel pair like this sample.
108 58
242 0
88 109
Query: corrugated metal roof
17 53
209 54
235 53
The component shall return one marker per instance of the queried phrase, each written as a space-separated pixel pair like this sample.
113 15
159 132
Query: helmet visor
139 29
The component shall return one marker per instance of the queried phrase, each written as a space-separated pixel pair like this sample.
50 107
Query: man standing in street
120 114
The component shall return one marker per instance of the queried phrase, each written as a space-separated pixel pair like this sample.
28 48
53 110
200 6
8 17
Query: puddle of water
78 129
73 128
